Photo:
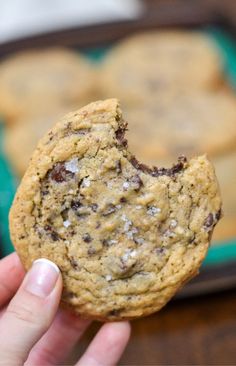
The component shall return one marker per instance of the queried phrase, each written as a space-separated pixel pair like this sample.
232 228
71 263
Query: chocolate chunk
75 205
135 162
182 159
54 236
45 193
109 209
64 214
115 312
94 207
143 167
60 174
137 182
176 168
120 135
157 172
74 263
69 294
52 233
98 225
218 215
212 219
82 131
109 242
87 238
209 221
105 242
47 228
91 251
160 250
192 239
123 200
118 167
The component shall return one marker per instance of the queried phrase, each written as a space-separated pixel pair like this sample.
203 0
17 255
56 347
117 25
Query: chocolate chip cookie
125 236
21 138
148 63
43 77
190 123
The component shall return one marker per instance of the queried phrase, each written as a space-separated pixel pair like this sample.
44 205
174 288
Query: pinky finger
107 346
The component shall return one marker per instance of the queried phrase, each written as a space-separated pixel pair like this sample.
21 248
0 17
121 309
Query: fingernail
42 277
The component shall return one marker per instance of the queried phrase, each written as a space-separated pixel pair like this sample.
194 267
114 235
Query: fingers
56 344
107 346
30 312
11 276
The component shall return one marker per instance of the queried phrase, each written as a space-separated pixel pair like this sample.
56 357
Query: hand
32 329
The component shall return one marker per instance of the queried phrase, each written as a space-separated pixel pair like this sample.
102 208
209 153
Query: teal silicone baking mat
220 253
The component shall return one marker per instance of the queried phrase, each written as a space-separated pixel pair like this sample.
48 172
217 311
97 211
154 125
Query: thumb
30 312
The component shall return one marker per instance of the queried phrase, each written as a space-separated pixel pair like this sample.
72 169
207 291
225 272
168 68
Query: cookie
22 137
146 64
125 236
189 124
43 77
225 167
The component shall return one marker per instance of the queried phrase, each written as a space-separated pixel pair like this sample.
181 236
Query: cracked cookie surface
125 236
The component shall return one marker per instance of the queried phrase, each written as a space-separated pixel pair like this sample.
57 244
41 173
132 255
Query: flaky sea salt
130 233
173 223
139 241
67 223
112 242
86 182
124 217
72 165
127 225
128 253
110 185
152 210
108 277
133 253
170 234
126 185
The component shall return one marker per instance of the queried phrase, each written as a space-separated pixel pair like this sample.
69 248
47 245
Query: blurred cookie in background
189 124
42 77
146 64
21 138
225 167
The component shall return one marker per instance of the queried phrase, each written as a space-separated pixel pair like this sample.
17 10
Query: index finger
11 276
